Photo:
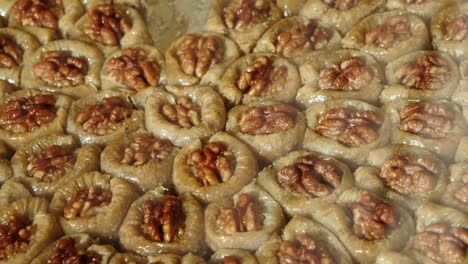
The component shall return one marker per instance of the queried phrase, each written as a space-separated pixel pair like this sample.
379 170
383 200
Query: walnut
231 260
304 250
462 193
134 69
259 77
51 164
164 221
349 127
84 201
27 113
184 113
246 216
101 118
196 54
442 243
145 148
341 5
372 218
60 68
348 75
428 120
393 30
267 120
11 53
15 236
213 165
457 29
239 14
429 72
310 177
106 25
37 13
65 251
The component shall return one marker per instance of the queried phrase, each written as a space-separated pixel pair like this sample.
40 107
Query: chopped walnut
164 221
145 148
462 193
348 75
106 25
239 14
134 69
60 68
442 243
428 120
51 164
37 13
197 54
184 113
11 53
246 216
305 250
261 78
386 35
310 177
341 5
27 113
372 218
350 127
15 236
83 202
66 251
429 72
231 260
213 165
457 29
267 120
104 117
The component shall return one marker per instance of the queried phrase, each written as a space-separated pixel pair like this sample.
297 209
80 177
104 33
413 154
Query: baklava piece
272 129
93 203
199 58
426 9
246 222
456 194
389 35
462 152
216 170
69 67
232 256
12 190
244 21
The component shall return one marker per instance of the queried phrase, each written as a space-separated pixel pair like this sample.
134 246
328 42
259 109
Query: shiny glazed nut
457 29
231 260
86 200
184 113
259 77
304 250
104 117
134 69
11 54
348 75
246 216
15 237
38 13
106 25
51 164
66 252
372 218
462 193
145 148
442 243
240 14
429 72
27 113
196 54
341 5
164 221
60 68
310 177
349 127
213 165
267 120
428 120
393 30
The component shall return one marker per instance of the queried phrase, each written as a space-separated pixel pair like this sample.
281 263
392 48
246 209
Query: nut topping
261 78
163 222
196 54
106 25
462 193
350 127
305 250
15 237
411 2
184 113
11 53
65 251
457 29
85 201
372 218
145 148
428 120
51 164
442 243
393 30
349 75
341 5
429 72
240 14
213 165
230 260
60 68
104 117
27 113
134 69
246 216
267 120
310 177
37 13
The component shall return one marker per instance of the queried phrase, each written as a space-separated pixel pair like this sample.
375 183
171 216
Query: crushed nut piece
84 201
341 5
462 193
145 148
37 13
246 216
428 120
11 53
184 113
163 222
15 237
457 29
429 72
267 120
348 75
304 250
60 68
65 251
240 14
230 260
51 164
106 25
393 30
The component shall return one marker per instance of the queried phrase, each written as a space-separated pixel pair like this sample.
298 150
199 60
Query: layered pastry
70 67
13 190
456 194
216 170
232 256
176 259
426 9
290 7
5 169
127 257
462 150
460 95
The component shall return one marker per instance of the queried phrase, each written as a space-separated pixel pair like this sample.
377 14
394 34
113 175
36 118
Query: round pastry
389 35
272 129
199 58
456 194
12 190
426 9
291 7
462 151
232 256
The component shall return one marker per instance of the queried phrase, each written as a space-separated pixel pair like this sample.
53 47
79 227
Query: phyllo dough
456 194
462 151
5 169
12 190
232 256
290 7
426 9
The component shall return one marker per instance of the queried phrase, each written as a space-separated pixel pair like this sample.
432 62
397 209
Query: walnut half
348 75
457 29
38 13
86 200
106 25
429 72
60 68
51 164
239 14
267 120
393 30
11 53
246 216
184 113
430 120
305 250
145 148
